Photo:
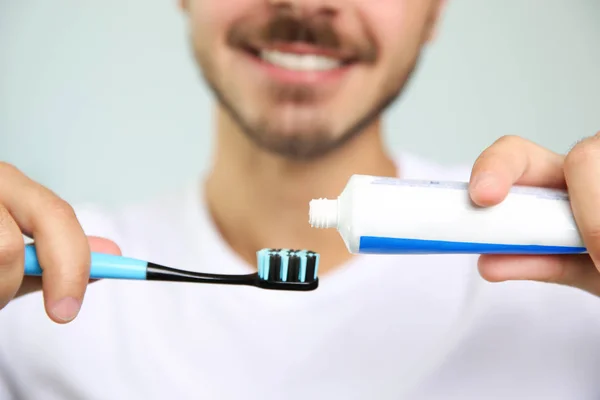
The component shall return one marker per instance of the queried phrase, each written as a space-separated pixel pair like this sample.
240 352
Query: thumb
97 245
102 245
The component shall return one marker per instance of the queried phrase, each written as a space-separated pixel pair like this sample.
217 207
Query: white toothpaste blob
377 215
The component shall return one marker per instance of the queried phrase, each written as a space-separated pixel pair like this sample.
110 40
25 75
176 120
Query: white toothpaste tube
377 215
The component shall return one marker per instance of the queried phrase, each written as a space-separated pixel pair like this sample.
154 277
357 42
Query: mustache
288 28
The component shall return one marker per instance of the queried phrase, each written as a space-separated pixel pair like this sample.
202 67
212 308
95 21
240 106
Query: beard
312 142
284 131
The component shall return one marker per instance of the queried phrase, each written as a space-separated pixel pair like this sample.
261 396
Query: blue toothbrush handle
103 266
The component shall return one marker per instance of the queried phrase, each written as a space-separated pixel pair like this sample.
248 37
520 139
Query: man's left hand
516 161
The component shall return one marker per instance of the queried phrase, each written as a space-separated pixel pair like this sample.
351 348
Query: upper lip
301 48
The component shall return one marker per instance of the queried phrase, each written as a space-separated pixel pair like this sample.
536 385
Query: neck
258 199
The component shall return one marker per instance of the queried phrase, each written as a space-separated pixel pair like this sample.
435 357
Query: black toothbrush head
285 269
278 269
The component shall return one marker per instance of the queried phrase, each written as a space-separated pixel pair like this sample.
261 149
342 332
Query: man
301 86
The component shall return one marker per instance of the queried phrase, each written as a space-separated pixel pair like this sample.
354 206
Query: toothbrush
278 269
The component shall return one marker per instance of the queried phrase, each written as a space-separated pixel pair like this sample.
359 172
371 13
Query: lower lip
289 76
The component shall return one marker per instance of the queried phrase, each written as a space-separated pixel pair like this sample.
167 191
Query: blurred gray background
101 101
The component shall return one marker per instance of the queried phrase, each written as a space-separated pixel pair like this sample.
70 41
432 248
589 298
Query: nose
307 7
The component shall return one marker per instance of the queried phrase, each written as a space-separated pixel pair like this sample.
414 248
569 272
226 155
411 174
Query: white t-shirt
381 327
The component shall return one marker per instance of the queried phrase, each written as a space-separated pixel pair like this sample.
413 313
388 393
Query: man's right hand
28 208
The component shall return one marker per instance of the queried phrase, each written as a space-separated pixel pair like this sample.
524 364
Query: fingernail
66 309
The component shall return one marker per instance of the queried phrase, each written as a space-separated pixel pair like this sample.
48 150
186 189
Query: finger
512 160
61 245
582 168
104 246
571 270
98 245
11 257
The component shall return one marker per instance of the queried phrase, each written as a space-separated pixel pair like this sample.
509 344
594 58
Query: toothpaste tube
377 215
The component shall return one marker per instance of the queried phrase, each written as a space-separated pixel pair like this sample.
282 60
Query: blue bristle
263 263
285 259
266 264
265 258
302 255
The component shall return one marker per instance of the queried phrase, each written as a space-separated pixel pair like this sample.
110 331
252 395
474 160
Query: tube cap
323 213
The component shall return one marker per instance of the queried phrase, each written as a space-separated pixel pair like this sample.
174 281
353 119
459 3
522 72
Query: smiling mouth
301 58
300 62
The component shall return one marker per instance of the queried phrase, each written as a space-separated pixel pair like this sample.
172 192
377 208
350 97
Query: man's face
300 77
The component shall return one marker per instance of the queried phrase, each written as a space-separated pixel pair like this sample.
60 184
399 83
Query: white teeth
300 62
